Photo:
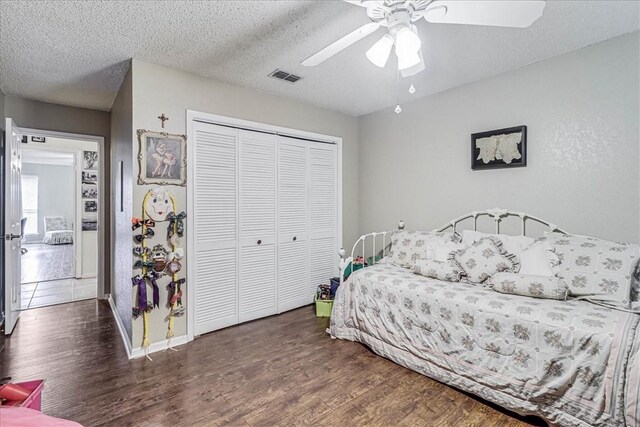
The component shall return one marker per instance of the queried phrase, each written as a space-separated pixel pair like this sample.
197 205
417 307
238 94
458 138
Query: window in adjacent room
30 203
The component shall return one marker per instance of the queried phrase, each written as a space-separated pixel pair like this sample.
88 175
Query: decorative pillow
441 250
596 268
409 246
441 270
539 259
549 287
483 259
512 244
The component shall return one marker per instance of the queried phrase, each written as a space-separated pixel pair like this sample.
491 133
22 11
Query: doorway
60 180
56 200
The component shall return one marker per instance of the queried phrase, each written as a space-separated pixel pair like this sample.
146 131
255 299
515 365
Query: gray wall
56 196
582 114
157 89
45 116
121 149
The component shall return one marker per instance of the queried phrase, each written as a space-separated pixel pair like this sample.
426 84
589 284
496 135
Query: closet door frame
193 116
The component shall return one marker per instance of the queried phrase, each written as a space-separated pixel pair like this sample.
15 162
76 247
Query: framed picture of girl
162 158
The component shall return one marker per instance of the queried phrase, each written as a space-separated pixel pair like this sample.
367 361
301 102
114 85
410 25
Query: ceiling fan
399 16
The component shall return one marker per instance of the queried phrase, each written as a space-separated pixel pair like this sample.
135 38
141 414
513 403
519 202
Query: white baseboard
158 346
123 332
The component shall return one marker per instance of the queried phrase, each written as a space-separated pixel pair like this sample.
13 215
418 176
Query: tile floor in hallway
41 294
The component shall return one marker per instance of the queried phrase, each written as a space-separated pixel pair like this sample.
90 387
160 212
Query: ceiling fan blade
341 44
496 13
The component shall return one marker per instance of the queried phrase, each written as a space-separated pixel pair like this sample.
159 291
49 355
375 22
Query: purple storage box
335 282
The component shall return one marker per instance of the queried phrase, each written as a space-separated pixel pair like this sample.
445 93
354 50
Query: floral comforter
570 362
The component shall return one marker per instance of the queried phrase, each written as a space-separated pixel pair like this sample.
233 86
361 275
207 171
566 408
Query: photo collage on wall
89 190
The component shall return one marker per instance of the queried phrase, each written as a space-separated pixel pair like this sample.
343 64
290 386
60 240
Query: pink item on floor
25 417
14 392
32 400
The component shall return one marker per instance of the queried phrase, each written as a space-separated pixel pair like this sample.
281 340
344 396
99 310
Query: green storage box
323 307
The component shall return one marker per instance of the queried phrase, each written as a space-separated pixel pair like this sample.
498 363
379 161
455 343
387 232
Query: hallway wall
61 118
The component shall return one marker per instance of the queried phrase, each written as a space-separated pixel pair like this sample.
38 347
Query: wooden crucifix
163 118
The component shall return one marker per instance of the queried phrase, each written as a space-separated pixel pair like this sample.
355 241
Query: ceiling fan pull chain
398 109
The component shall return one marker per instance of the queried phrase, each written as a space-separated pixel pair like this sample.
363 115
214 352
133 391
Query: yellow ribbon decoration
170 331
145 315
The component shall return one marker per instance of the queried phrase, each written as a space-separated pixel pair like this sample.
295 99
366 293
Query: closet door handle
295 238
259 242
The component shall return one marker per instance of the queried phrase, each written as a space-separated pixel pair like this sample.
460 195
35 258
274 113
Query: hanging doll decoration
159 205
155 206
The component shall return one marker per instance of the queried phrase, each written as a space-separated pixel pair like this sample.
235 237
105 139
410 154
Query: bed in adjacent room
517 342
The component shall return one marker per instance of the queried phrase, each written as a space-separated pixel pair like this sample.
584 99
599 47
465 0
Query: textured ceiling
76 52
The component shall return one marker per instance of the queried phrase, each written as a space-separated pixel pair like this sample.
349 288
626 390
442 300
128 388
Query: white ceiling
76 52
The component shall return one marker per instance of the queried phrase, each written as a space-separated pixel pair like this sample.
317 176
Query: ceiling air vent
283 75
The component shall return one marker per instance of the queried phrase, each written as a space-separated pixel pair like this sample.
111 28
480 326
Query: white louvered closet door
215 228
323 223
293 224
257 288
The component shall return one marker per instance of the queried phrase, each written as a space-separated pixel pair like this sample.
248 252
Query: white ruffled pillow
512 244
440 251
484 258
539 259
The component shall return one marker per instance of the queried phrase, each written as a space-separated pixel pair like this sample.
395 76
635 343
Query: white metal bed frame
496 214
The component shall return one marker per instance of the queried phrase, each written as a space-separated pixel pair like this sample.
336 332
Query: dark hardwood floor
283 370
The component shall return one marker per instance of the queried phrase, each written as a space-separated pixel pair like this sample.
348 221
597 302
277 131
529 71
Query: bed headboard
497 215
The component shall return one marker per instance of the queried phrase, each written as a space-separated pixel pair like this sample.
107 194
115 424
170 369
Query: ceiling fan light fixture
407 40
407 59
415 69
379 53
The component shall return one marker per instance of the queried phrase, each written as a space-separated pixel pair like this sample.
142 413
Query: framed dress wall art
500 148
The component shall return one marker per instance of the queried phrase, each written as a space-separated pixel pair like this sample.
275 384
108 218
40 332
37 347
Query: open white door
12 229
